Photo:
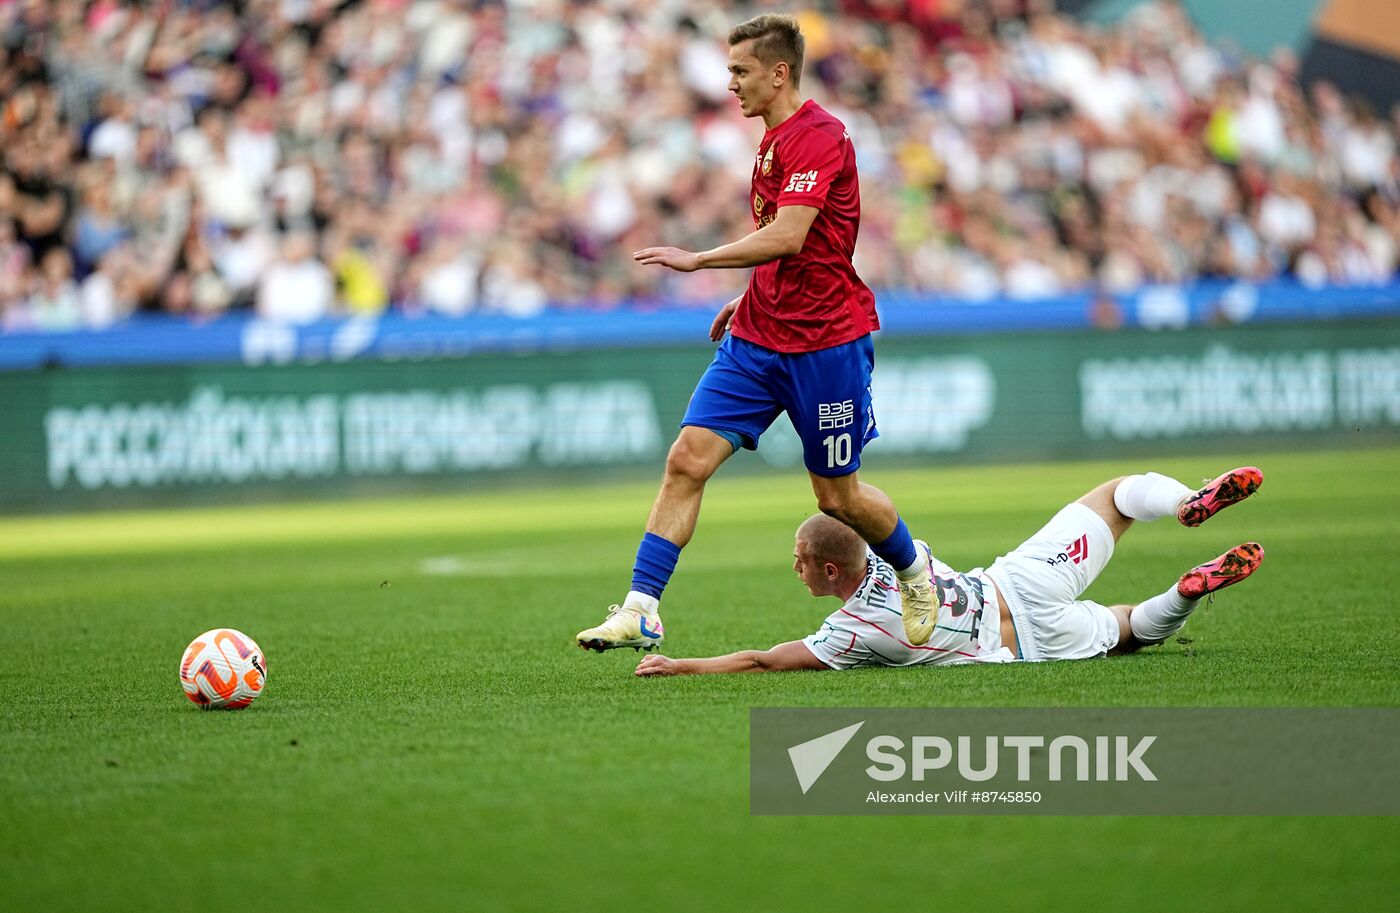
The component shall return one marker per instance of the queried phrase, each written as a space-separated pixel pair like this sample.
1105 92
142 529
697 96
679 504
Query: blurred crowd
304 158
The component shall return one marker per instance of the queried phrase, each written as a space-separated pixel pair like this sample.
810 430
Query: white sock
1161 616
643 603
1149 496
915 569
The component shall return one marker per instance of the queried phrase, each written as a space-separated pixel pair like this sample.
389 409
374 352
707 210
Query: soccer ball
223 669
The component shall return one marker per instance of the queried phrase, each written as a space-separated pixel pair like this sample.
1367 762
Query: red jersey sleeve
812 161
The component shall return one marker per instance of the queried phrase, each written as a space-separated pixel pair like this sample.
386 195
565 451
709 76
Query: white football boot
624 627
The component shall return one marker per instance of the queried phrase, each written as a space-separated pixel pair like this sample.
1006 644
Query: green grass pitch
431 740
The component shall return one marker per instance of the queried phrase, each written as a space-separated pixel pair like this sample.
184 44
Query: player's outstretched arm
782 237
787 657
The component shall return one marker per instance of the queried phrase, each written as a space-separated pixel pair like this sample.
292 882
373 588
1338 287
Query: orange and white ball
223 669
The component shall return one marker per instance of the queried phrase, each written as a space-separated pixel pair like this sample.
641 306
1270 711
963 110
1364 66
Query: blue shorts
826 395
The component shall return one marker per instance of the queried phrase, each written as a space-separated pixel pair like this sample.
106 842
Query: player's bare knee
835 504
1100 501
685 461
1100 494
1127 643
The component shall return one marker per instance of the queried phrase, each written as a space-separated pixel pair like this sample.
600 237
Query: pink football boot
1231 488
1230 568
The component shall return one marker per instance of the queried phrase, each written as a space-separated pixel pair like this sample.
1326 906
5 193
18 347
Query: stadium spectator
54 302
464 155
295 287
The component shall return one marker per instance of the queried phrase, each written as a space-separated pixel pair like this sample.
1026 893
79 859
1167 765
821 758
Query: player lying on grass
1026 606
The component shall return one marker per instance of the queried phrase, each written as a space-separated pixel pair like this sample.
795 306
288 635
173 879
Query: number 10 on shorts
838 450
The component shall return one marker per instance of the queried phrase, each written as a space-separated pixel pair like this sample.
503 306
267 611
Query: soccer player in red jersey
798 341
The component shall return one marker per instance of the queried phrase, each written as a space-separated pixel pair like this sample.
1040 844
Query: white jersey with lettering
868 630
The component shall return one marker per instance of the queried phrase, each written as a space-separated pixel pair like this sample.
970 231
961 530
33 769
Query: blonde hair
828 539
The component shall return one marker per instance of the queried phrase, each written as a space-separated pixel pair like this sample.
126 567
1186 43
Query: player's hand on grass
722 320
656 664
680 260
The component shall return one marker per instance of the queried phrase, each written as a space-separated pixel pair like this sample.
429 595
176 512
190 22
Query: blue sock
898 549
656 561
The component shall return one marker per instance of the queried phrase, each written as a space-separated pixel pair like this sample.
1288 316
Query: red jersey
812 299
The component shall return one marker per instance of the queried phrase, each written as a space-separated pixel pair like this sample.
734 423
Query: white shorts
1042 579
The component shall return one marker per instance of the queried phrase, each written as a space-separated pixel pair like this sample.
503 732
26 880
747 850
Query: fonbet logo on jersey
801 182
1033 757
